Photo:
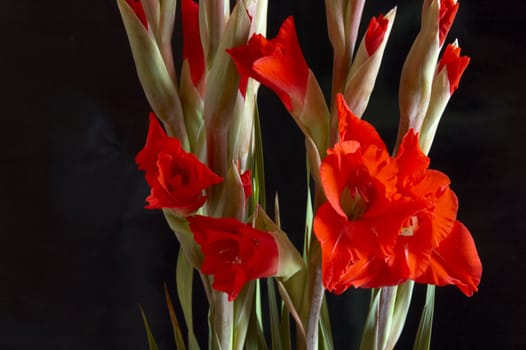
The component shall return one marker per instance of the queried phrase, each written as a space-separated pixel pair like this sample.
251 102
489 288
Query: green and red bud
448 73
364 70
419 68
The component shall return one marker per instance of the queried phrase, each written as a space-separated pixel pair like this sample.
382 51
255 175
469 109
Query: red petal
455 261
192 48
353 128
136 6
333 178
277 63
375 33
370 273
411 160
345 243
455 65
246 180
448 10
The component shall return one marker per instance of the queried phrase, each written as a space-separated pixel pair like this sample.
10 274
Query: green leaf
326 341
387 315
181 229
284 327
309 215
179 342
242 310
184 280
255 338
401 308
291 304
369 328
259 168
152 345
273 315
423 335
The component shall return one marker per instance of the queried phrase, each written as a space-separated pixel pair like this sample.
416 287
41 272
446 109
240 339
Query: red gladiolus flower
136 6
192 48
177 179
448 11
455 65
234 253
388 220
277 63
364 214
375 33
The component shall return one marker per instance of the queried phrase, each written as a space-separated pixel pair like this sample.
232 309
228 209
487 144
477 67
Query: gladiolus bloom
177 179
389 219
375 33
455 65
277 63
364 213
136 6
192 48
234 253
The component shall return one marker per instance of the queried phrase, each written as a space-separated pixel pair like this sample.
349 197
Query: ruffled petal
277 63
455 261
351 127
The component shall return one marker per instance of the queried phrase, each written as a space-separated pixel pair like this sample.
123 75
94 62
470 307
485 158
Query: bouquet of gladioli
374 219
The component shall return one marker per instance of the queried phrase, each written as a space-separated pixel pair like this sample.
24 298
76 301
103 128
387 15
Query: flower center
410 230
353 203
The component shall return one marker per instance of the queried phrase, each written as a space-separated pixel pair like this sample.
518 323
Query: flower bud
419 68
154 74
221 93
448 73
363 72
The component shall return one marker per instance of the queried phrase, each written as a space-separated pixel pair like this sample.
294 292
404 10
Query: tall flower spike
419 68
364 70
448 73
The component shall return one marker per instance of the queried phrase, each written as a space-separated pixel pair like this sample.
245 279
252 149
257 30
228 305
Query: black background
77 249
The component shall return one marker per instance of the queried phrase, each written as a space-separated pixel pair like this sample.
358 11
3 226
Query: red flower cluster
177 178
234 253
389 219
